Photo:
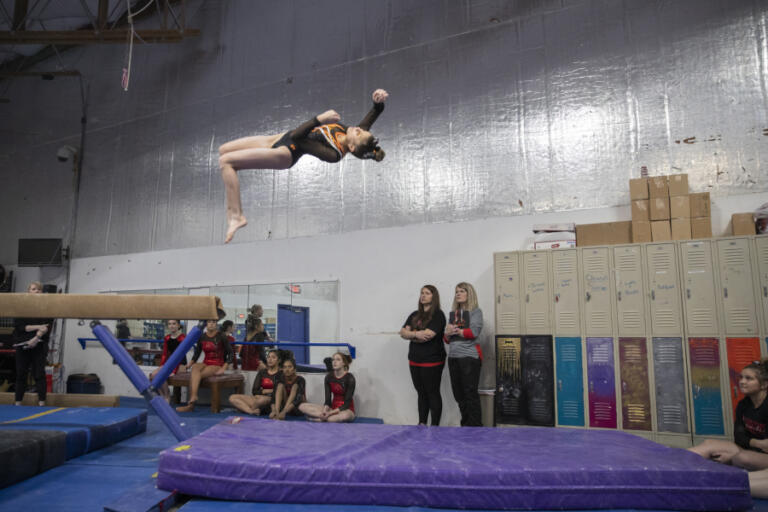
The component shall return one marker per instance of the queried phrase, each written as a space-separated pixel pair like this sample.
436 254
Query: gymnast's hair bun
378 154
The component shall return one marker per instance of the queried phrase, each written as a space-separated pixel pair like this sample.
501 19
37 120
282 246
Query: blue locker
570 382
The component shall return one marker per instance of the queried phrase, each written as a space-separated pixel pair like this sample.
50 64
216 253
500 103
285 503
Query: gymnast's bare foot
187 408
233 225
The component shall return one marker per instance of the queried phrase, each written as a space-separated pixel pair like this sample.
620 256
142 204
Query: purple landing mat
482 468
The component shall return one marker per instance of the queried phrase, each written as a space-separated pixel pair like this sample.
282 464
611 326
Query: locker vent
599 322
670 414
537 352
631 319
602 411
735 256
763 255
510 406
565 263
568 320
570 409
710 418
570 354
697 259
537 321
509 321
667 353
740 321
627 262
665 318
535 266
636 413
633 354
539 409
595 263
602 354
662 262
506 268
703 318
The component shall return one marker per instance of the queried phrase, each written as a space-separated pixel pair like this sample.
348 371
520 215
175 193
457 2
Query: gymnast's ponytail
370 151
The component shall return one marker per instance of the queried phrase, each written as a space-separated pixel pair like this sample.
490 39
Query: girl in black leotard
290 394
339 403
264 387
322 136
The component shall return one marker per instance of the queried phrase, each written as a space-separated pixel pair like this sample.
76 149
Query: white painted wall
380 273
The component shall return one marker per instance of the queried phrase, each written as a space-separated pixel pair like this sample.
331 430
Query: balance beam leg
166 413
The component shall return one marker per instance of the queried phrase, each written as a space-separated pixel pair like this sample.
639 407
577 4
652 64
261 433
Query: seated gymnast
171 342
218 356
750 449
263 387
339 403
323 137
290 393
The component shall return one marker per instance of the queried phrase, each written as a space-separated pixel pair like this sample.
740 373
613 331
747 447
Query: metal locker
536 302
761 244
507 284
706 396
666 317
595 270
538 380
635 386
570 382
670 386
741 352
509 401
565 283
736 282
699 290
602 383
630 301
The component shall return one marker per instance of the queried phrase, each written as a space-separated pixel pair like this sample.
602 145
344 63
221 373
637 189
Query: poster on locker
705 386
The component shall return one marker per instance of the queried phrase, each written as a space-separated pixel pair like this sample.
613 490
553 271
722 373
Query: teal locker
570 382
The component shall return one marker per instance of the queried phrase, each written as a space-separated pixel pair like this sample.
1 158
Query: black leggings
426 380
34 359
465 376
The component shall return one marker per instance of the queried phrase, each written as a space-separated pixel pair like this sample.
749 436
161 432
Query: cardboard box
589 234
659 208
661 230
638 189
680 207
678 185
640 210
701 227
700 205
605 233
658 187
681 229
618 232
743 224
641 231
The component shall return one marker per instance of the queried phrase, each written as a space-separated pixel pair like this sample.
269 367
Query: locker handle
619 295
653 294
527 297
591 386
589 296
557 297
765 291
735 392
498 299
725 292
688 293
559 384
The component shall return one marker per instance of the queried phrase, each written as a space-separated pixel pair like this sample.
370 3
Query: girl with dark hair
339 403
218 356
264 386
254 356
426 355
171 342
291 392
750 449
30 337
322 137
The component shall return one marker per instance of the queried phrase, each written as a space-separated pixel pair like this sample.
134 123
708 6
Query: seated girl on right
339 404
750 447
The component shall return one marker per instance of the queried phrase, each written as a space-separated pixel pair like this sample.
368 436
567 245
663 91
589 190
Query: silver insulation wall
497 108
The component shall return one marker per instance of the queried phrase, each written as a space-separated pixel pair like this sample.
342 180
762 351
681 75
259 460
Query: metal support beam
116 36
103 15
20 15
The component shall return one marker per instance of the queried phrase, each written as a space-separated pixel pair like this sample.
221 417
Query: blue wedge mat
86 428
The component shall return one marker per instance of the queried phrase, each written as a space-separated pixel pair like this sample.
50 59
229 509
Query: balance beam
104 307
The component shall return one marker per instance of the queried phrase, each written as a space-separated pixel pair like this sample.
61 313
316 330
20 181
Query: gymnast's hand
380 96
221 370
328 117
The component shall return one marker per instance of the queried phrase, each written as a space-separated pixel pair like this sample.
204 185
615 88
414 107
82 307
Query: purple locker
602 383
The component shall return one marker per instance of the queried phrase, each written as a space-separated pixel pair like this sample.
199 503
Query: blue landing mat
86 428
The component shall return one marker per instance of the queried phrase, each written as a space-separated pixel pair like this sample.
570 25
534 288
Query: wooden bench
215 383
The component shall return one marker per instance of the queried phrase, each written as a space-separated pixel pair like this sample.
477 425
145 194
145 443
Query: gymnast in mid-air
323 137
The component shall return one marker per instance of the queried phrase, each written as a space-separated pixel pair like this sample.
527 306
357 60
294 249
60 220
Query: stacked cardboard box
658 190
701 215
743 224
679 207
604 233
641 215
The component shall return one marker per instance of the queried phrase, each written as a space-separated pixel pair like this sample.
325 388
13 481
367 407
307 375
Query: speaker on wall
40 252
50 288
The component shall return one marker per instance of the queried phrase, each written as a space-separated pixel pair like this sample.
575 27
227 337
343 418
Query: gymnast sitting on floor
263 387
750 450
339 403
322 137
290 393
218 356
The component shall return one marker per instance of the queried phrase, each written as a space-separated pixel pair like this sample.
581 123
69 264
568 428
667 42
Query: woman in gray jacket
465 323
